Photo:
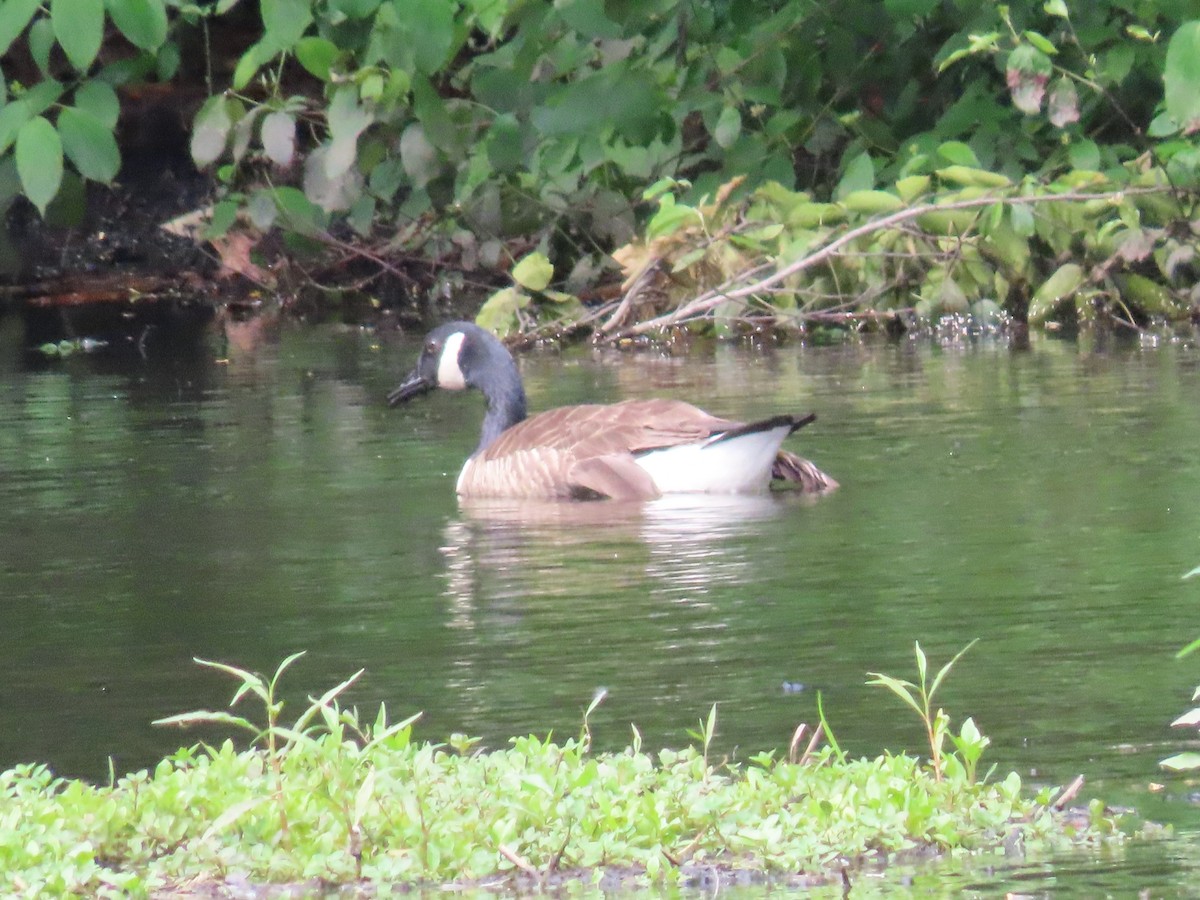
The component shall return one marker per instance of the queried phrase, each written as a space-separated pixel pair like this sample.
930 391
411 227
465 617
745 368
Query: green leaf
79 29
14 16
279 137
42 96
316 54
670 218
12 117
533 272
728 127
859 176
284 23
99 100
623 99
355 9
210 131
1182 762
912 186
1058 287
1023 222
347 120
971 177
250 62
1181 76
902 689
39 159
41 43
910 9
89 144
1084 154
300 213
499 313
872 202
958 153
143 22
1041 42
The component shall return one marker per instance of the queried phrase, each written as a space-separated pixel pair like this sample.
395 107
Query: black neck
501 385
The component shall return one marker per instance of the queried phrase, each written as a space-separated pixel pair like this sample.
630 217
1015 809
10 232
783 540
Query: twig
631 295
1068 793
795 744
519 861
817 737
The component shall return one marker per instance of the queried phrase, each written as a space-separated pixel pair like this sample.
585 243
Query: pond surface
255 497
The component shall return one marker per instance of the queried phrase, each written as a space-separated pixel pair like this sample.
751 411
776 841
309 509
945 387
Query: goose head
461 355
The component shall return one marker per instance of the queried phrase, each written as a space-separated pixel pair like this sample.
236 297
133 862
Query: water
256 497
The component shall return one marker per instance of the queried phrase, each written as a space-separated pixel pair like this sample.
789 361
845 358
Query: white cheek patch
449 374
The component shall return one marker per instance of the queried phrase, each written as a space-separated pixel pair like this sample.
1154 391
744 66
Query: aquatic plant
969 743
329 800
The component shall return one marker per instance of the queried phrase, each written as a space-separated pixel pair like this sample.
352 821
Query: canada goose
633 450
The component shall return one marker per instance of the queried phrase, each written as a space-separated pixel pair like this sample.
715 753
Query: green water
257 497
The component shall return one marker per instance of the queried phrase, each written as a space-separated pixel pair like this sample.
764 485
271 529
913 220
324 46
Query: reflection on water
508 562
678 542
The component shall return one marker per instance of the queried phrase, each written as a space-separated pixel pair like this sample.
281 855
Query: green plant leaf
89 144
284 23
14 16
859 176
1182 762
99 100
499 312
1065 281
41 43
1041 42
210 131
39 157
959 154
728 127
300 213
316 54
143 22
250 62
902 689
1181 76
79 29
12 117
533 272
279 137
347 120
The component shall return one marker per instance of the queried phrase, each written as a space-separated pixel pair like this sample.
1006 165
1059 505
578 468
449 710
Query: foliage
947 238
477 131
970 743
331 799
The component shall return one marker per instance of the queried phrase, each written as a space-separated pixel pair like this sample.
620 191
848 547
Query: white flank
450 374
736 466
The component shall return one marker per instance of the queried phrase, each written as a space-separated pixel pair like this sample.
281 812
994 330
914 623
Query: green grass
331 800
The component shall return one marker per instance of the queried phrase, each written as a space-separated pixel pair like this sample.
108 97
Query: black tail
794 423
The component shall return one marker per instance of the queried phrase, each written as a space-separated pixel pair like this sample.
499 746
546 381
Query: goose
632 450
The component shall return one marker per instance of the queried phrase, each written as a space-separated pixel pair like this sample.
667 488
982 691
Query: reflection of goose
635 450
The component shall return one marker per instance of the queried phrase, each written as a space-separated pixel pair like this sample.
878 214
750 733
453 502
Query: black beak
412 386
